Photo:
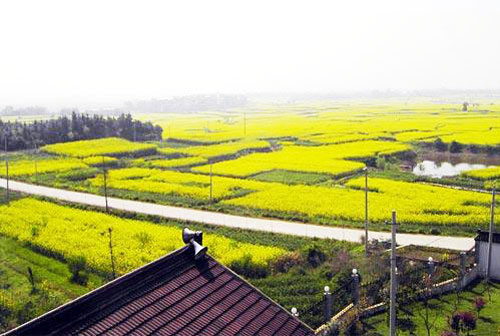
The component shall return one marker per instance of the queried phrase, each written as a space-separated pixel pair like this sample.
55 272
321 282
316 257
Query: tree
468 322
31 279
440 145
425 313
463 321
77 267
79 127
448 333
479 304
455 147
465 106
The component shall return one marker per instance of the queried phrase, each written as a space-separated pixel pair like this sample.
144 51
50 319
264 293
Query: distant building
186 292
482 253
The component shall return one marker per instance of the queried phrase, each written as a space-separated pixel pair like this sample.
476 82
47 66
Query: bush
435 231
77 267
455 147
448 333
314 255
440 145
144 238
284 263
247 268
79 174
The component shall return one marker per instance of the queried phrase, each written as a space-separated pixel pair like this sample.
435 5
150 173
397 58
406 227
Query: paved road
215 218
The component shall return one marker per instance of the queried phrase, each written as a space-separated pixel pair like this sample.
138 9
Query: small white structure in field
482 254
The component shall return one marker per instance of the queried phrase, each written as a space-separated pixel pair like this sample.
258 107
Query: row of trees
21 135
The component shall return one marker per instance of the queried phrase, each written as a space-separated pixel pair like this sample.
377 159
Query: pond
444 169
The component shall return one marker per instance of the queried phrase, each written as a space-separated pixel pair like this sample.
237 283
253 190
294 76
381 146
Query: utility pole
36 162
110 230
211 182
245 124
392 326
105 184
7 170
490 236
366 211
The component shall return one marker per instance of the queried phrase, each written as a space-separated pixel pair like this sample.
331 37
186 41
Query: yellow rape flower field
171 182
415 203
70 233
300 161
108 146
321 159
47 165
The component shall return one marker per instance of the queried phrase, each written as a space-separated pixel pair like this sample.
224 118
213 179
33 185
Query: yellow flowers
99 160
226 148
321 159
415 203
484 174
176 183
71 232
107 146
179 162
30 167
329 122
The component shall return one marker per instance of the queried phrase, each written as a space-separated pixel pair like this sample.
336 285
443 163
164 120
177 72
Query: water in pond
443 169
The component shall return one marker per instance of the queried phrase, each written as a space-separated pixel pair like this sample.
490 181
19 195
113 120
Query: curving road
249 223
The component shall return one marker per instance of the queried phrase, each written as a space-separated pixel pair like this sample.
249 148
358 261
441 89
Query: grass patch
20 301
290 177
441 309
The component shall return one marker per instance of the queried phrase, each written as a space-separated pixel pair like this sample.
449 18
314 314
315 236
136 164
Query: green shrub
455 147
77 267
247 268
435 231
79 174
314 255
284 263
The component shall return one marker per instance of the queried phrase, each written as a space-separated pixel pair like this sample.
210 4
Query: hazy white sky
61 52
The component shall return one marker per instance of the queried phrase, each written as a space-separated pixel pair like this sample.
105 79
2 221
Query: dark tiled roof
484 236
174 295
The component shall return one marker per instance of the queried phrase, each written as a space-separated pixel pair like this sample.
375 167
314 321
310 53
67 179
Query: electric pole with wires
393 289
105 183
7 193
490 236
366 211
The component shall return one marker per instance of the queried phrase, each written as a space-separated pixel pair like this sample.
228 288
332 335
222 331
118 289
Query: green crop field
277 264
440 310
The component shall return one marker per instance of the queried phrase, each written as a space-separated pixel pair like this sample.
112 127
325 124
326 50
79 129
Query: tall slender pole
490 236
211 180
366 211
105 184
110 230
7 170
36 162
392 327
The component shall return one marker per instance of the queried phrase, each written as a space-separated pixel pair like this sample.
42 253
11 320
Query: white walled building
482 254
